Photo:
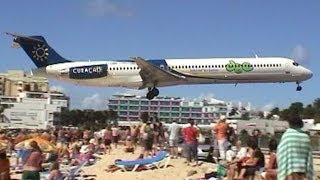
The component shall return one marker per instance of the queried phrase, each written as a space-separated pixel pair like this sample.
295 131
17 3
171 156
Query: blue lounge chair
161 158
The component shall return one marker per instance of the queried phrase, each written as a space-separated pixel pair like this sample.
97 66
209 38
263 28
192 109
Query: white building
32 110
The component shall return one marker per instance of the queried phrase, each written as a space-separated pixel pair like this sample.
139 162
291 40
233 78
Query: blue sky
106 29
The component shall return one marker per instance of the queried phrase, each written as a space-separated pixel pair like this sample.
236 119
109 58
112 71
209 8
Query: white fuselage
195 71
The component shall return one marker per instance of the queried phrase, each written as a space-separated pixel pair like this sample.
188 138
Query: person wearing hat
221 130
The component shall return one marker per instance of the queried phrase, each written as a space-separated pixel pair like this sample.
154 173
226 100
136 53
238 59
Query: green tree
260 114
275 111
316 103
296 108
309 112
285 114
245 116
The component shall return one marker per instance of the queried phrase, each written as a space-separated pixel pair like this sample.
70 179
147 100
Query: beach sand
177 170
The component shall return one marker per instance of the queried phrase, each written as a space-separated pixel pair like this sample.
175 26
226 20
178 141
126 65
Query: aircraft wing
153 75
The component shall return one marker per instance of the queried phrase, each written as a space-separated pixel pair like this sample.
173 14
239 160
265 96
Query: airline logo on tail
40 52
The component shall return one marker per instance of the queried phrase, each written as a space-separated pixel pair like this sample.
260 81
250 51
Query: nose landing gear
299 88
153 92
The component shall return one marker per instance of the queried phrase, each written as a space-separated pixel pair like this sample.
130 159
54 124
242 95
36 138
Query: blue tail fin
39 50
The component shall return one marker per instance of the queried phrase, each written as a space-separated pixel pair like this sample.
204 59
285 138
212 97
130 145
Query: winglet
15 35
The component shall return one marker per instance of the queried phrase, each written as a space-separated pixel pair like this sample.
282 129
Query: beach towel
294 154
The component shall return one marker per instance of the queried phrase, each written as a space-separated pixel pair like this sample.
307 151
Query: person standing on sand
147 133
190 135
221 130
108 139
294 153
174 130
115 135
33 163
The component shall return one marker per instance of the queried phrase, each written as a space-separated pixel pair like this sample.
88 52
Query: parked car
205 150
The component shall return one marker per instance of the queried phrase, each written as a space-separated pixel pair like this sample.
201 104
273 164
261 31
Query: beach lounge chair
68 172
73 172
162 158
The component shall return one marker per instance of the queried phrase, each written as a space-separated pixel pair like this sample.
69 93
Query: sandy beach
177 170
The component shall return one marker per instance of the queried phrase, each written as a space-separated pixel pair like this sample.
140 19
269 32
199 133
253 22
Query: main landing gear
153 92
299 88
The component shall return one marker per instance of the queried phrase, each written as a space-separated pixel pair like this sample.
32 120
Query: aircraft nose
308 73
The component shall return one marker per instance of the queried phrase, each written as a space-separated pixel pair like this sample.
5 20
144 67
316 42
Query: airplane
140 73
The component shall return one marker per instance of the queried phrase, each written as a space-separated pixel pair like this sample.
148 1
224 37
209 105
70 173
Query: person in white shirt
230 154
174 130
240 153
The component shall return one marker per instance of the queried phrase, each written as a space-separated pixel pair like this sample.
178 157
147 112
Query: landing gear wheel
150 95
155 91
299 88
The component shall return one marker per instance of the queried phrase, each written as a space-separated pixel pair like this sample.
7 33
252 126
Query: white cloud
94 101
206 96
108 8
58 89
267 107
300 54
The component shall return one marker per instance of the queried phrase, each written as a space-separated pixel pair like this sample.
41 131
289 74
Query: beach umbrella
44 145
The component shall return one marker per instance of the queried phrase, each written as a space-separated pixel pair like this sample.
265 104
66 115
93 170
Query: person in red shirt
190 135
221 130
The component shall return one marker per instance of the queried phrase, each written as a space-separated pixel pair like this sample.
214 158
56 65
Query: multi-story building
15 81
130 107
31 110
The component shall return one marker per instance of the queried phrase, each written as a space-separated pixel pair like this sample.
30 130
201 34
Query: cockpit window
295 64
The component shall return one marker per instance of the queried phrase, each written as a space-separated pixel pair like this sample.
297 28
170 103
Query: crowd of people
292 159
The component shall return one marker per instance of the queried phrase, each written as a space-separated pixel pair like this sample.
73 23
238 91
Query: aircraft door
164 67
287 68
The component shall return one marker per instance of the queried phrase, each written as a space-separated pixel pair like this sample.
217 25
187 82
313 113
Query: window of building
175 114
164 103
175 103
123 113
185 109
154 102
144 102
164 108
175 108
144 108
